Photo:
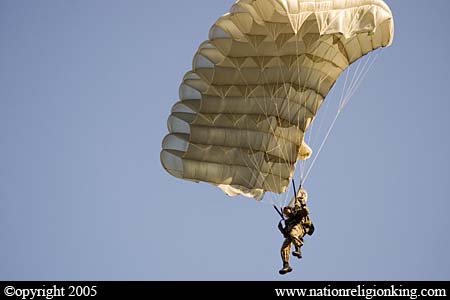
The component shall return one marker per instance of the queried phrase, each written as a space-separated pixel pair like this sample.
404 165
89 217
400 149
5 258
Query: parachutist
297 224
255 88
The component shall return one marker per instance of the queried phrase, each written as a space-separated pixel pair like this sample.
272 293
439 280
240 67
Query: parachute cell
257 84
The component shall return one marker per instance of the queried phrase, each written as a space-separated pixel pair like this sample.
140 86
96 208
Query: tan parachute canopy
257 84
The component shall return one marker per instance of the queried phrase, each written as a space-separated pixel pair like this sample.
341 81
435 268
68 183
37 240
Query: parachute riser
279 212
295 190
295 195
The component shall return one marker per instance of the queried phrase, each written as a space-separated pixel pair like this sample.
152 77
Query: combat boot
286 268
297 253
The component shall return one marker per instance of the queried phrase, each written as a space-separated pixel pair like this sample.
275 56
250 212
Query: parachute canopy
257 84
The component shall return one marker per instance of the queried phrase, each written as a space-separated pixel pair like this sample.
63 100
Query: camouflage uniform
298 224
294 232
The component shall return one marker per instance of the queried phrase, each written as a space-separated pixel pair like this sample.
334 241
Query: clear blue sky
85 91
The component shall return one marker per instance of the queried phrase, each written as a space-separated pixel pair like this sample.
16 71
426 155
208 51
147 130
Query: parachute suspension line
301 93
307 133
324 112
310 130
345 93
301 116
344 89
320 148
269 201
361 78
275 96
286 95
345 98
253 168
352 81
253 159
272 183
311 67
303 175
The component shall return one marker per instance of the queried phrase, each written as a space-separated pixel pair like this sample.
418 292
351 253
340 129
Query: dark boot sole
283 272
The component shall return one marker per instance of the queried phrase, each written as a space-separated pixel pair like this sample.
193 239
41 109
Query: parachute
257 84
